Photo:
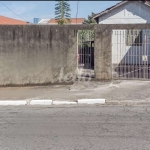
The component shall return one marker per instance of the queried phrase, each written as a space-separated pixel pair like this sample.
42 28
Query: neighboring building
11 21
125 12
73 21
44 21
36 20
40 21
54 21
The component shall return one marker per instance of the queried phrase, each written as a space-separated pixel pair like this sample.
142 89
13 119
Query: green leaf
62 9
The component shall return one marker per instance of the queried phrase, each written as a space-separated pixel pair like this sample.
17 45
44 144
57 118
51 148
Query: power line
13 12
77 11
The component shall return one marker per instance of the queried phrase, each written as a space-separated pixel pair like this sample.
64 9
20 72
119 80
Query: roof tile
11 21
73 21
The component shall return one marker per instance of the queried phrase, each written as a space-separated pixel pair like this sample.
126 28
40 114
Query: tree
85 35
90 19
62 9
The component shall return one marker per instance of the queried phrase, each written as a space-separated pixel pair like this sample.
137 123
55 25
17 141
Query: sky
27 10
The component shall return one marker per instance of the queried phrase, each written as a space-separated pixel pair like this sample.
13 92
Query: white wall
129 13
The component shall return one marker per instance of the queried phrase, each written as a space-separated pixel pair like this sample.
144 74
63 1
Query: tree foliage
62 9
87 35
90 19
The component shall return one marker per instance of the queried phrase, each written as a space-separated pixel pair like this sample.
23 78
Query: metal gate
131 54
85 60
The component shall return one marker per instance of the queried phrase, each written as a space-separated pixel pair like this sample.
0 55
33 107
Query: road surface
75 128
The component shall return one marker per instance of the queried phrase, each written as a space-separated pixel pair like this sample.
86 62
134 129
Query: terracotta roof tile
73 21
11 21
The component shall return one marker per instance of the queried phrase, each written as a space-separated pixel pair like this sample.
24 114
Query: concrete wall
130 12
35 54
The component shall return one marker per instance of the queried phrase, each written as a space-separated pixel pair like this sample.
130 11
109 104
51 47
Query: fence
131 54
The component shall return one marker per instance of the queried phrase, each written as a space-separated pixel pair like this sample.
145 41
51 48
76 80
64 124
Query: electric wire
13 12
77 11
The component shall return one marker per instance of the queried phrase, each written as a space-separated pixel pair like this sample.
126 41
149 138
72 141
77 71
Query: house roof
11 21
117 5
73 21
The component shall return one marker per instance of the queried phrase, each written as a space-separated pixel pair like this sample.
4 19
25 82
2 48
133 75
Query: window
134 37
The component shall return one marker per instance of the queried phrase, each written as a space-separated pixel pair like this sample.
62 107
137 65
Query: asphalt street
75 128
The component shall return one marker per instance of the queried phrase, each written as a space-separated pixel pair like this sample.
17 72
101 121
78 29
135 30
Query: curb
12 103
79 101
51 102
91 101
63 102
128 102
40 102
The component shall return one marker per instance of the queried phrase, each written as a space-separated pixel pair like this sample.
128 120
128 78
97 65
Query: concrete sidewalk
114 92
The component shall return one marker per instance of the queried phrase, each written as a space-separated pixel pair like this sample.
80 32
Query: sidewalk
113 92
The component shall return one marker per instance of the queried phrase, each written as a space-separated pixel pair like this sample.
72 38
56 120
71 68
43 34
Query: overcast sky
46 9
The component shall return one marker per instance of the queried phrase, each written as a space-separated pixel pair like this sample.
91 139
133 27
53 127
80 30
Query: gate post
102 55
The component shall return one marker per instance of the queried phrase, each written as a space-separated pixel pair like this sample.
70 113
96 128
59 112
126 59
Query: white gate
131 54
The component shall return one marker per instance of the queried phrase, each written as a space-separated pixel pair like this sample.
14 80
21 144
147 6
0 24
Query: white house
125 12
130 48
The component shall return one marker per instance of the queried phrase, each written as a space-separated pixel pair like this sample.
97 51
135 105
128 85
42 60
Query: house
130 47
11 21
36 20
54 21
44 21
73 21
125 12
